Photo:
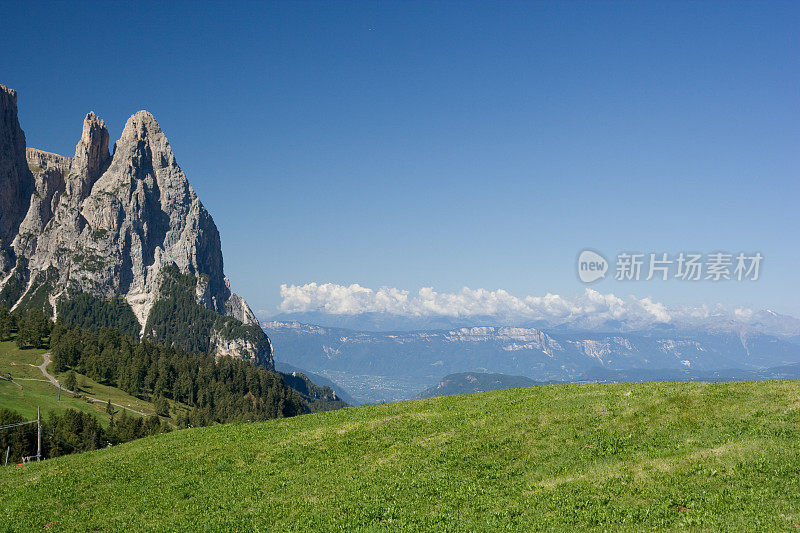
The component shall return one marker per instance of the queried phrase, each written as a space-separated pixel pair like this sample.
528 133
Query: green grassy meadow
562 457
30 389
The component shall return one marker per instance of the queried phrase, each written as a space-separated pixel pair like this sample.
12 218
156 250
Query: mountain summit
128 224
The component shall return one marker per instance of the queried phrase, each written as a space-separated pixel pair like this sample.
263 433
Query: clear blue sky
447 144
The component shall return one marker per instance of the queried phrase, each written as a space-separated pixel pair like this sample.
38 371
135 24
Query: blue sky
448 144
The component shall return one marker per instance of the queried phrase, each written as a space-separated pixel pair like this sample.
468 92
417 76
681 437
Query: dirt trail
54 381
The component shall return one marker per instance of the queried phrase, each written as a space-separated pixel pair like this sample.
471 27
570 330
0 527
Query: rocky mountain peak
7 93
147 212
91 154
112 227
143 144
141 125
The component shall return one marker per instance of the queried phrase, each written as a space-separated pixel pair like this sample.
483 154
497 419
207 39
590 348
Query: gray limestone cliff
108 224
16 180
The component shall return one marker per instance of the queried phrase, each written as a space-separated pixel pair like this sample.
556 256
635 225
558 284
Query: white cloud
588 309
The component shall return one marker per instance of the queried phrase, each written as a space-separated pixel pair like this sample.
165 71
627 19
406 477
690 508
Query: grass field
622 456
31 389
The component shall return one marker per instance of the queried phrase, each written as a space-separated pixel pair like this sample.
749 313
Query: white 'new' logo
591 266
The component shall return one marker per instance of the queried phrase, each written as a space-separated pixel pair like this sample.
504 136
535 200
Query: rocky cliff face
107 224
16 180
234 347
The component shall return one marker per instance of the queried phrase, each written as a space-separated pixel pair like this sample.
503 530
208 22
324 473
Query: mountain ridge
390 366
110 223
763 321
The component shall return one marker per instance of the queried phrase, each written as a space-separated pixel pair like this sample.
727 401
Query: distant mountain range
377 366
469 382
713 320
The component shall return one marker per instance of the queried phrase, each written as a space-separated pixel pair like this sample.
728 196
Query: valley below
387 366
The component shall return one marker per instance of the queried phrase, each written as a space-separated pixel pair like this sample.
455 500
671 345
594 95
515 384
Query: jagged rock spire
149 216
91 156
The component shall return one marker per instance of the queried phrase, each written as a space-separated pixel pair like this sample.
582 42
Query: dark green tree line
220 391
90 312
33 328
8 324
71 432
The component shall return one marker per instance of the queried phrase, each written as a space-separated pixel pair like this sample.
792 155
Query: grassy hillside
622 456
30 389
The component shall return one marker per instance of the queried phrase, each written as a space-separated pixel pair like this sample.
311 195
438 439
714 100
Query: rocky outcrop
40 160
108 225
16 180
91 157
49 172
238 309
240 347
